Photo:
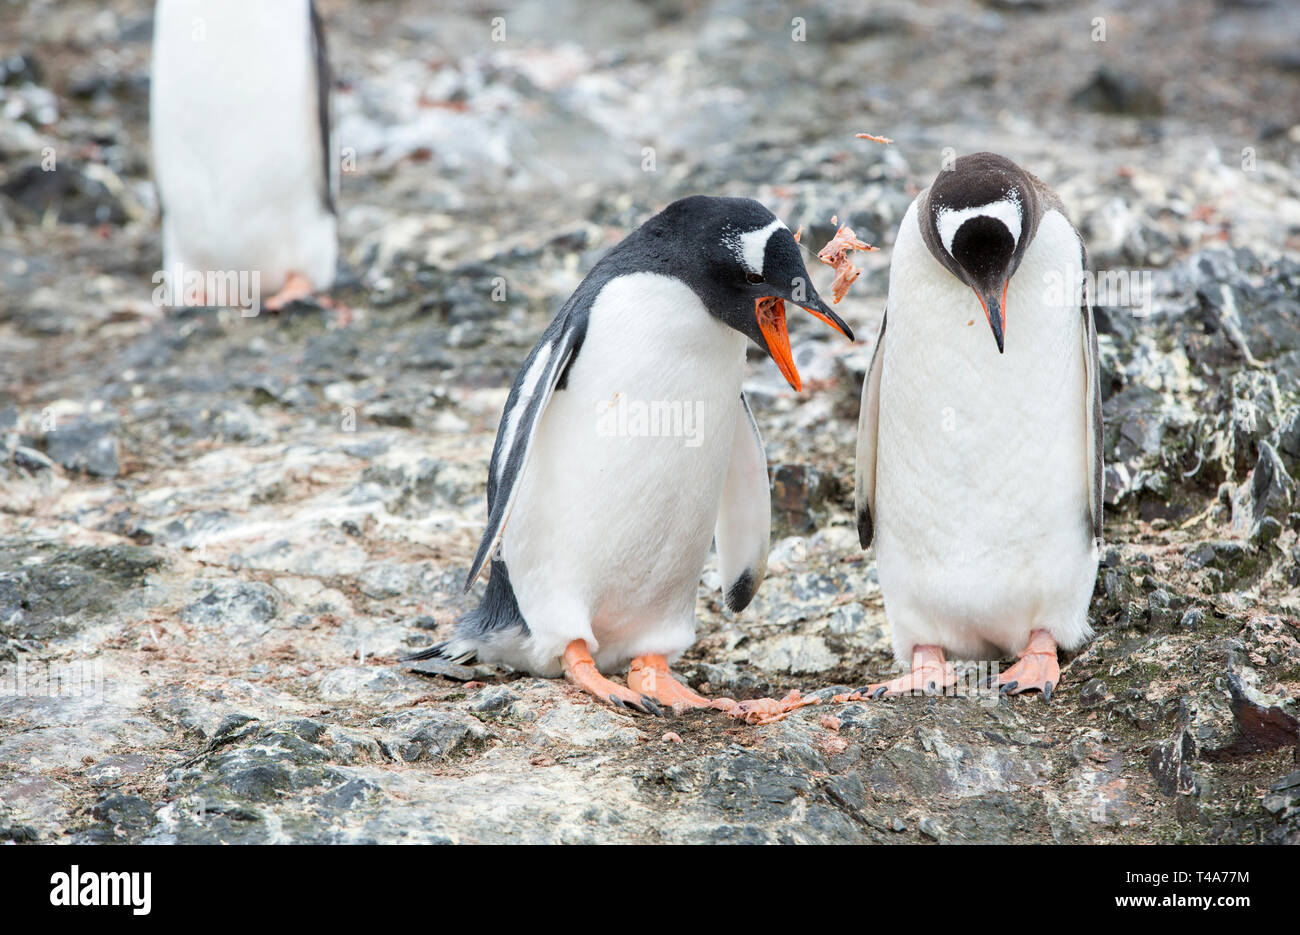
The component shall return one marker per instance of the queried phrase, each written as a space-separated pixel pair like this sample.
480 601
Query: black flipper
864 475
321 56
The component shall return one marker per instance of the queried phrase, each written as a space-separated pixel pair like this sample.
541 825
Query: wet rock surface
218 534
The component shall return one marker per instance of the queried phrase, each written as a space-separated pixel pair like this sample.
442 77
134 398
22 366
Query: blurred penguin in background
240 130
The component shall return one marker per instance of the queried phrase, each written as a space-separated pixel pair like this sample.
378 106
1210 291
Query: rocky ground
218 534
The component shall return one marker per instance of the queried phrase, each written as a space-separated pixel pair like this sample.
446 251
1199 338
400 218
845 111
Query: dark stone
1111 91
262 783
1234 562
66 192
409 492
348 794
1247 313
438 737
127 810
1170 764
1158 608
1288 438
732 681
426 352
799 495
111 84
1134 421
1114 321
1283 798
749 784
1265 532
493 698
86 446
234 604
296 749
1192 619
1092 693
31 460
231 723
47 595
1259 728
1025 6
931 829
22 834
20 68
308 730
389 412
1271 487
444 668
465 296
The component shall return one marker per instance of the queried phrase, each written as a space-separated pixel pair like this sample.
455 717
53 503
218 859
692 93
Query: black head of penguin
732 252
977 220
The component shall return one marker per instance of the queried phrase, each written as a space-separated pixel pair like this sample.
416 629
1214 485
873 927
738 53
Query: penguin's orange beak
770 312
997 322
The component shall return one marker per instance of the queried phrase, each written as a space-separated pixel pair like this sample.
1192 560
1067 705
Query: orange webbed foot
295 287
580 669
649 676
1037 668
931 673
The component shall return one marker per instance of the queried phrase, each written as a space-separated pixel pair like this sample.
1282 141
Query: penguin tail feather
457 651
866 529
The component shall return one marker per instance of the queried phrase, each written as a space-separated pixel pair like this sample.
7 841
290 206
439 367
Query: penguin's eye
754 278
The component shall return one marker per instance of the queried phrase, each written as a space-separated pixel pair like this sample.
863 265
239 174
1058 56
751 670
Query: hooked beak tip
826 314
996 322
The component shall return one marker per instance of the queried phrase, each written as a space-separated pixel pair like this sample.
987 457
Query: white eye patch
1007 211
751 246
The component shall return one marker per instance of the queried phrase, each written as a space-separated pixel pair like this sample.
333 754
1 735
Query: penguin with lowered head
599 527
979 455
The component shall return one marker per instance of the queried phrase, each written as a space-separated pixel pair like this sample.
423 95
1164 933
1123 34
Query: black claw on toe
1047 692
879 693
990 681
931 687
641 707
1008 688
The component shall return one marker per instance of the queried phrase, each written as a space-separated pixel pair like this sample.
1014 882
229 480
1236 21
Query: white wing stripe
514 450
527 390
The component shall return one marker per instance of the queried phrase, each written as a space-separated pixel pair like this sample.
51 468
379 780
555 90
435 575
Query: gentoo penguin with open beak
599 524
240 131
979 466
